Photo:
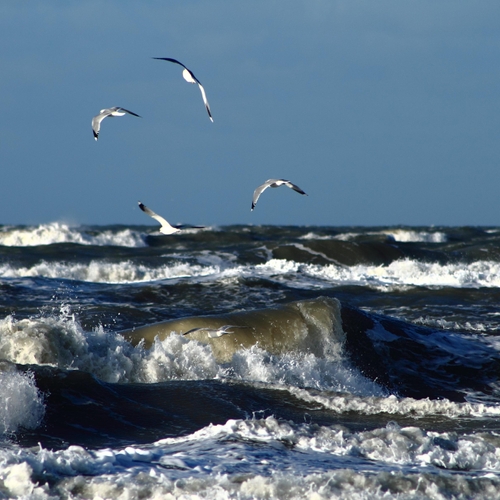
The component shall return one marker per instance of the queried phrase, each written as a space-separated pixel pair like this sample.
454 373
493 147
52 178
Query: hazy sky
384 112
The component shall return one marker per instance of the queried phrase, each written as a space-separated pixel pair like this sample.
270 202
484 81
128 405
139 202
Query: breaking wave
58 232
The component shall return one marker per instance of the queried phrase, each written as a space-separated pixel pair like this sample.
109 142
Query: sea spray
21 404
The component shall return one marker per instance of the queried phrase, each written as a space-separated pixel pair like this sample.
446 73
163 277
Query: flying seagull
190 78
166 227
274 183
215 332
104 113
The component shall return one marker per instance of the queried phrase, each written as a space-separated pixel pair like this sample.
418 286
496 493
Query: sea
358 363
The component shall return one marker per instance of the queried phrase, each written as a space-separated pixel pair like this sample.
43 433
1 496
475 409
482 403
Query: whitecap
102 271
58 232
409 272
413 236
392 405
61 342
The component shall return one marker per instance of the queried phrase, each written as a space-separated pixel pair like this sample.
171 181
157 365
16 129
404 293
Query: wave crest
58 232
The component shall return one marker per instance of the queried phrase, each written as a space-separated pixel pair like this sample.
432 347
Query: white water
401 235
409 236
329 380
255 458
61 342
107 272
246 459
229 461
57 232
400 273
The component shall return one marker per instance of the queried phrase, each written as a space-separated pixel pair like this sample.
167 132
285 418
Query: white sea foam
396 234
61 342
316 236
397 274
443 324
391 444
57 232
411 236
392 405
331 380
331 373
101 271
227 461
408 272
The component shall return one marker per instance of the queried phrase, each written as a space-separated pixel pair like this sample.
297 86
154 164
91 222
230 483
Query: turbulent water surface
360 363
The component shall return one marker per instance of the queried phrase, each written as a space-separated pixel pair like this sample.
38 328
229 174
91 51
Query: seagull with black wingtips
190 78
274 183
166 227
104 113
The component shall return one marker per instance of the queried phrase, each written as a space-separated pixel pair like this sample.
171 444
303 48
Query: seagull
166 227
190 78
274 183
215 332
104 113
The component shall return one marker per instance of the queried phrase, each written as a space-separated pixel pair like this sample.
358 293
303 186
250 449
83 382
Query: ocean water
361 363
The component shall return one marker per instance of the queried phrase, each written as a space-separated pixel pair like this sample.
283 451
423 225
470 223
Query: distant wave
396 234
397 274
397 406
106 272
405 235
409 272
57 232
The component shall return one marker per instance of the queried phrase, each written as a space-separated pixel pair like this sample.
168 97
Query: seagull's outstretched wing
188 75
259 191
205 100
293 186
274 183
104 113
165 228
96 122
122 111
170 59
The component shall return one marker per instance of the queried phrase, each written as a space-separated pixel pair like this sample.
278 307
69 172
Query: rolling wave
396 275
58 232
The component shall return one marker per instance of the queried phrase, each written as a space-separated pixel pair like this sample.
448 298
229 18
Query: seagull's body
274 183
215 332
188 75
166 227
104 113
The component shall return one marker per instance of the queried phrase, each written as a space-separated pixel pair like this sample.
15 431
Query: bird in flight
190 78
166 227
274 183
104 113
215 332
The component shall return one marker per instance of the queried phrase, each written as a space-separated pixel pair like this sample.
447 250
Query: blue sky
384 112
